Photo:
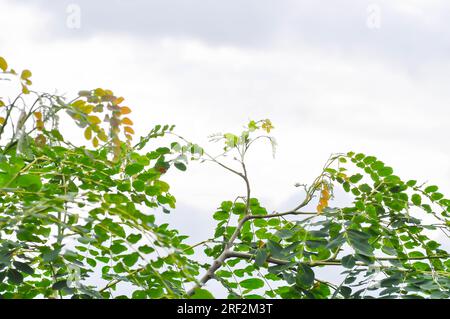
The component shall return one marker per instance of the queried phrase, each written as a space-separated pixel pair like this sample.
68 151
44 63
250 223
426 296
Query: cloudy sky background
328 78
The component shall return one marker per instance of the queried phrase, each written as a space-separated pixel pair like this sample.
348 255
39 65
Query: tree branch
330 262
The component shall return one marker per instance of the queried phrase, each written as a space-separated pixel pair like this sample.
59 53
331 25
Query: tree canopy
78 221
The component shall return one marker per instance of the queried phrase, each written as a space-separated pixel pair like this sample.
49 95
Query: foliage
378 243
79 221
72 214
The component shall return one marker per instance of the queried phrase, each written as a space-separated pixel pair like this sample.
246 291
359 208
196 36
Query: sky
333 76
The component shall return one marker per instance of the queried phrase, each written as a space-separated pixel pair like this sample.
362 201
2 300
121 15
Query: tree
79 221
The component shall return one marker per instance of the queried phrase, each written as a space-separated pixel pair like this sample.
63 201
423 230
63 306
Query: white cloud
320 102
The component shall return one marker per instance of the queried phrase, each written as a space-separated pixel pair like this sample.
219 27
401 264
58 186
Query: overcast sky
334 76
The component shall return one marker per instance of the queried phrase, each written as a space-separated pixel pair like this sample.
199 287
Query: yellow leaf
2 103
102 136
118 100
267 125
319 208
78 104
40 140
2 120
38 115
128 129
25 89
88 133
125 110
99 92
129 137
93 119
3 64
324 197
25 74
88 108
127 121
95 142
39 125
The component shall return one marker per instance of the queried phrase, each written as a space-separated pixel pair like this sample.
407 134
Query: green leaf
252 283
202 294
29 182
5 258
25 268
365 188
385 171
369 160
56 134
416 199
275 249
284 233
260 257
279 268
118 248
359 241
115 228
180 166
338 241
345 291
133 169
253 296
437 196
346 186
91 262
355 178
131 259
155 293
134 238
226 206
411 183
305 276
139 185
220 215
59 285
163 150
14 276
139 294
391 281
146 249
348 261
231 140
49 255
431 189
371 211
